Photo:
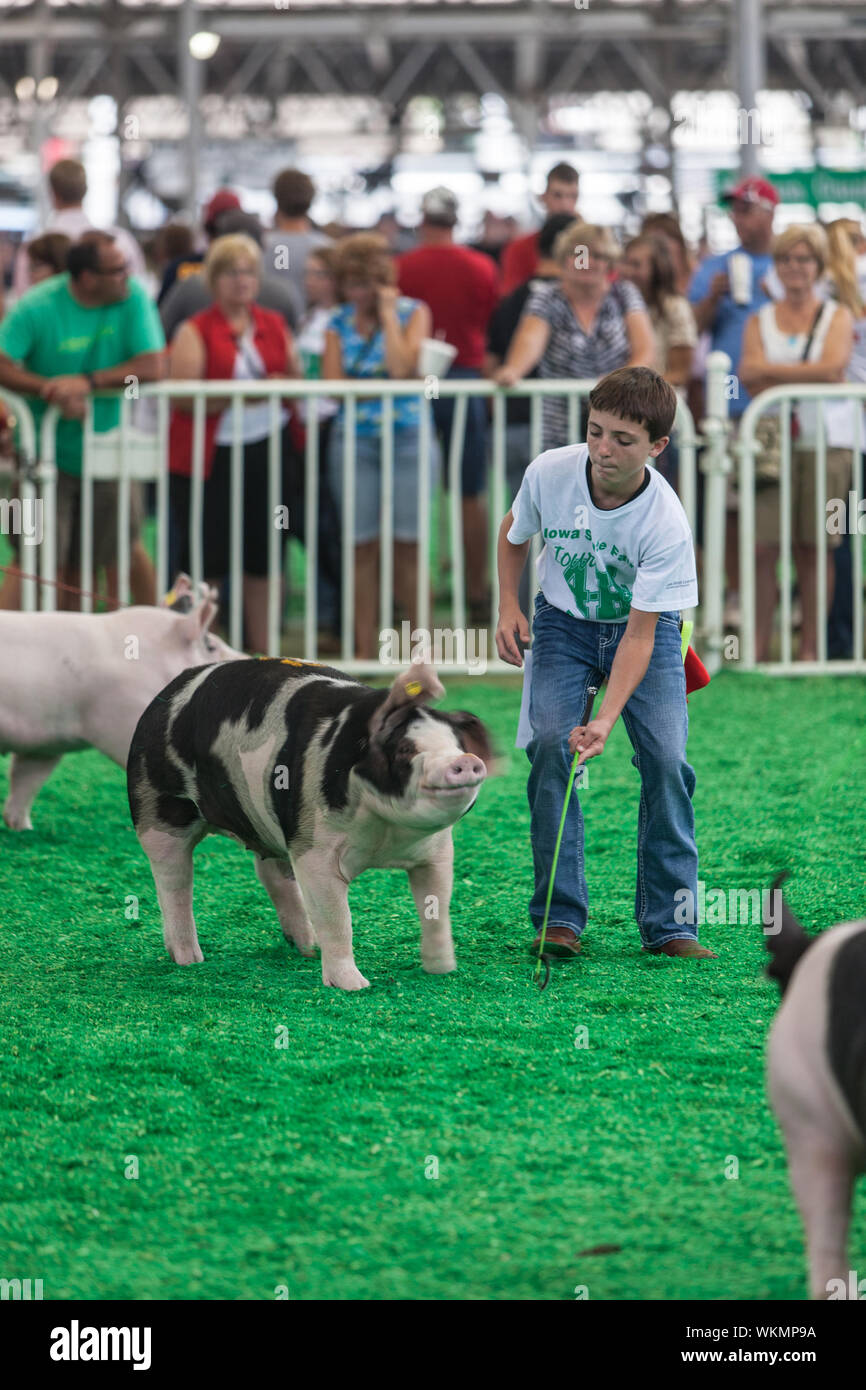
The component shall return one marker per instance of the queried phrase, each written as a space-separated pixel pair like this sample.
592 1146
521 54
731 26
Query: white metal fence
33 484
827 511
129 454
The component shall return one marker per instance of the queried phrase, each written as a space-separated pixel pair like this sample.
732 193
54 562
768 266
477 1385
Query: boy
617 565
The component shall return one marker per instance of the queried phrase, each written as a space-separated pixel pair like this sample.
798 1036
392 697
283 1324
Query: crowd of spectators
89 309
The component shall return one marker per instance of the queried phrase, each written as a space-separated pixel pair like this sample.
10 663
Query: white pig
82 680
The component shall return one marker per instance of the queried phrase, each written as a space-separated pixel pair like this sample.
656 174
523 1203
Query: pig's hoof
304 942
17 820
187 955
345 977
442 965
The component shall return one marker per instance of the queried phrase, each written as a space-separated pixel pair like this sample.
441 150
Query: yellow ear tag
169 598
413 687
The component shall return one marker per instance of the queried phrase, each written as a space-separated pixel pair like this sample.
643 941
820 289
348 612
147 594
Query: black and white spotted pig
816 1068
322 778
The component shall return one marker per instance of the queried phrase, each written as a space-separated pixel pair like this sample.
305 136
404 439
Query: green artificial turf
305 1167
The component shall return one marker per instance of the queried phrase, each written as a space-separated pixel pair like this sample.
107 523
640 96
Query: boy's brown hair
638 394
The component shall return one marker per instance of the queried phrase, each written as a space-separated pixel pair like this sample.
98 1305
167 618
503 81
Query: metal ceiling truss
524 51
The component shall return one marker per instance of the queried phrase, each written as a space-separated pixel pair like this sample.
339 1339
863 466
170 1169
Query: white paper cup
435 357
740 276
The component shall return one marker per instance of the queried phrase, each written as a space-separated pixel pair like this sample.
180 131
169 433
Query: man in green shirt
92 329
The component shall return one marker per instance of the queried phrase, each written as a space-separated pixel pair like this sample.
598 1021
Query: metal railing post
715 464
386 518
785 553
86 568
124 556
276 551
314 466
349 637
236 512
27 451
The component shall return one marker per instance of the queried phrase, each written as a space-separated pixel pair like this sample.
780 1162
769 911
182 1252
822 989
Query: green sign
813 186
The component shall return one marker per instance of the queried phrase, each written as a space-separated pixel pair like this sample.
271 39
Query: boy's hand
589 738
511 629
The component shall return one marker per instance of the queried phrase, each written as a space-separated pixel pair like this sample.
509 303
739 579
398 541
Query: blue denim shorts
368 473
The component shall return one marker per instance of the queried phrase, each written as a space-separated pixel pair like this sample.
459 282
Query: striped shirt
571 352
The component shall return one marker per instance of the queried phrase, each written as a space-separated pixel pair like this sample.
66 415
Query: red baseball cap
222 201
753 190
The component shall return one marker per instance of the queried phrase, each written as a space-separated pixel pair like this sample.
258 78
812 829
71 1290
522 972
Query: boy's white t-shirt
597 564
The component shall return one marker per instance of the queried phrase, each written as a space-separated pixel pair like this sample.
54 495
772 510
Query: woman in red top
234 338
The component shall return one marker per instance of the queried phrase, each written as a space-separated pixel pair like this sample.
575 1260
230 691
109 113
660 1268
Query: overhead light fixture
47 88
25 88
204 45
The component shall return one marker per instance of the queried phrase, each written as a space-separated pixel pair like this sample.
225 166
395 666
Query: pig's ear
475 738
180 595
417 686
205 592
196 623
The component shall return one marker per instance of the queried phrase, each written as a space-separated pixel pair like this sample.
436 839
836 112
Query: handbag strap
815 322
795 418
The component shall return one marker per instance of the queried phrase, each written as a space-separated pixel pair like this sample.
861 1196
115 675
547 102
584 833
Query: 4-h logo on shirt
594 588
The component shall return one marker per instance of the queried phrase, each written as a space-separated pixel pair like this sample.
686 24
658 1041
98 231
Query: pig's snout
465 771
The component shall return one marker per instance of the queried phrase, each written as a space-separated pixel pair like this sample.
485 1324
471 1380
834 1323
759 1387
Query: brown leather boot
560 943
682 946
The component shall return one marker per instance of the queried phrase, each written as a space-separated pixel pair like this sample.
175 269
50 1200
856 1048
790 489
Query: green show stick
587 715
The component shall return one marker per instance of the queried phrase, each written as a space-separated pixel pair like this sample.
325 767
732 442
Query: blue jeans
570 655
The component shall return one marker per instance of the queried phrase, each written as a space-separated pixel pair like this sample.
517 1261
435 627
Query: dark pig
322 778
816 1068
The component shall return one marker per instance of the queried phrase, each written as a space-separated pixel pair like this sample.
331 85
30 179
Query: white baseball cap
440 203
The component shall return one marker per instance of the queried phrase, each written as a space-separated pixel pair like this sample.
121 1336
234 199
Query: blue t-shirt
365 357
727 331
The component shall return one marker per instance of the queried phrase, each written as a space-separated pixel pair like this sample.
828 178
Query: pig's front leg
822 1180
326 897
26 776
431 889
278 879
